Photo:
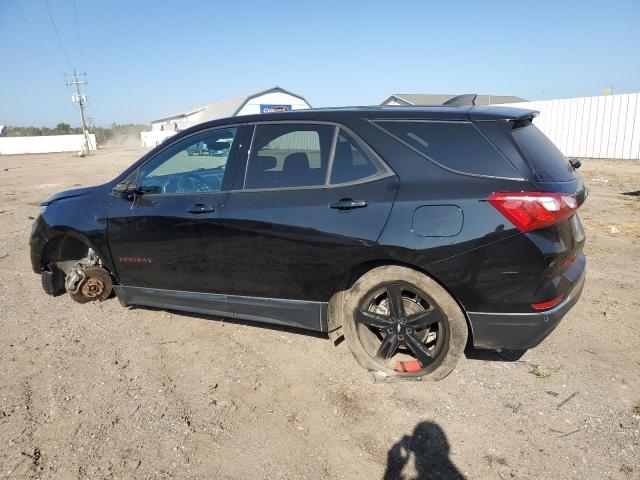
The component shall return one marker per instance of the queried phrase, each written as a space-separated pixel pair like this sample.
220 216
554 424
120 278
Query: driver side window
193 165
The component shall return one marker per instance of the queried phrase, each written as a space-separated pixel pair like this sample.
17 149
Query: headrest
296 162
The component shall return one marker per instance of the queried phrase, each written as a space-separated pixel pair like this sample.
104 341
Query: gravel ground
102 391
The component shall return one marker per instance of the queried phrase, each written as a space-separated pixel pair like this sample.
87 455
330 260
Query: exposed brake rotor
92 288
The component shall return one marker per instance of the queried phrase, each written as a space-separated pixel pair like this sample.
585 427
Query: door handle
348 204
199 208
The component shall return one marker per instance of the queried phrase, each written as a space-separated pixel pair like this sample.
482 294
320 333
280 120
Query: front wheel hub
92 288
96 285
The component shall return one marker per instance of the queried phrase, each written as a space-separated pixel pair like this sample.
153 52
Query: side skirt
293 313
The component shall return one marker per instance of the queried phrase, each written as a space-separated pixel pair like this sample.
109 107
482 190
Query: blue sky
145 59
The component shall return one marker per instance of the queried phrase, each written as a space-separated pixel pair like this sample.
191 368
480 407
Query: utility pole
81 100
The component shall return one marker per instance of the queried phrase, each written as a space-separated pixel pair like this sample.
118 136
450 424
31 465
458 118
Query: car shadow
494 355
470 353
429 448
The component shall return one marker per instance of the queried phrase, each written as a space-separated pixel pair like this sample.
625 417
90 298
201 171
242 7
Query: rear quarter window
543 156
456 146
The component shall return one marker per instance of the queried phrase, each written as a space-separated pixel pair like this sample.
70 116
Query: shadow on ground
470 353
429 448
495 355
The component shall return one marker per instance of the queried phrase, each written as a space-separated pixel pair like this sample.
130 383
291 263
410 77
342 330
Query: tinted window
350 162
543 156
289 155
455 145
195 164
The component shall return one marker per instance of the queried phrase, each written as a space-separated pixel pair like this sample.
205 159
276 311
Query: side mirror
125 189
575 163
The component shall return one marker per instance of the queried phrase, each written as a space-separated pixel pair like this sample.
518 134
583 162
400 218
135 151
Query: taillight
548 304
533 210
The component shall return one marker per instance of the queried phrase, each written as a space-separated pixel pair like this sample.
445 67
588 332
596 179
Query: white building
275 99
429 99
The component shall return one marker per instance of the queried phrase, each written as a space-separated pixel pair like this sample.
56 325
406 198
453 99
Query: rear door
312 203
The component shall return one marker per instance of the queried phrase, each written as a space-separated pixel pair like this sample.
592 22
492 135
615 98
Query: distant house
422 99
275 99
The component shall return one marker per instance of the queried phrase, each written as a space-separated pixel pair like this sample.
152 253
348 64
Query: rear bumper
520 331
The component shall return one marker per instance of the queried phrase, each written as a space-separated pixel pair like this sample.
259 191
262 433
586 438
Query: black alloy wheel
402 328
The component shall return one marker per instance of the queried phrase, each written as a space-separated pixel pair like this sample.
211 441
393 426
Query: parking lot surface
102 391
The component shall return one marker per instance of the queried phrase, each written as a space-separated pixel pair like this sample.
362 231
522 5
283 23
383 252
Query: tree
62 129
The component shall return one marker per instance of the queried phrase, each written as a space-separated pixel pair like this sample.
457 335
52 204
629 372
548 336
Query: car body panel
157 243
83 217
280 255
291 244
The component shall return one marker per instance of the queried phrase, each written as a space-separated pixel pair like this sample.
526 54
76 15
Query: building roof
420 99
227 107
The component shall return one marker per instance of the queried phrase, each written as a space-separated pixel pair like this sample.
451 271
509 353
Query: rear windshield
543 156
455 145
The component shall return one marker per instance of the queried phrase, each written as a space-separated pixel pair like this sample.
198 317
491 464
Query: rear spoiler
499 112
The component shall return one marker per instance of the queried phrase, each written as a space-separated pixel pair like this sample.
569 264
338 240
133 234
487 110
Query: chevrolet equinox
412 232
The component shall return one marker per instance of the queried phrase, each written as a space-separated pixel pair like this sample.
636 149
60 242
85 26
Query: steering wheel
192 182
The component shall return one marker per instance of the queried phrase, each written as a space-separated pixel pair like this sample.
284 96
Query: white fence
44 144
606 126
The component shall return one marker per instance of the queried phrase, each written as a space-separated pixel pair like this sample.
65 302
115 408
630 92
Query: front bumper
520 331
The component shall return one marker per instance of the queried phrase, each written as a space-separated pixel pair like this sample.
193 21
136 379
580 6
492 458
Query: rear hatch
547 214
538 160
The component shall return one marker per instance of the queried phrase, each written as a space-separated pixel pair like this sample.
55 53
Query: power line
57 33
75 11
33 32
81 100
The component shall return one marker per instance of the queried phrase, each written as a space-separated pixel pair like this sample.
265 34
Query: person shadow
430 450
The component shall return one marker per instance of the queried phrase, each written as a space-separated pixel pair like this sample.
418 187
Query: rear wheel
403 323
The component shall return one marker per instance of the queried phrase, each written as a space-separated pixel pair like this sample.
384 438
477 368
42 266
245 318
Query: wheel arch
334 312
71 245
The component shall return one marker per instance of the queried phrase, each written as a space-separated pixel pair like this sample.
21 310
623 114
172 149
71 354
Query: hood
76 192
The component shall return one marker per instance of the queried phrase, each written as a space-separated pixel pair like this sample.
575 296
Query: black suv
410 231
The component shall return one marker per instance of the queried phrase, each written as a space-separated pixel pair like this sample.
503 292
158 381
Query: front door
312 204
167 235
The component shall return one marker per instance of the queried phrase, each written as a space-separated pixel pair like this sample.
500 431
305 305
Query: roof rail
462 100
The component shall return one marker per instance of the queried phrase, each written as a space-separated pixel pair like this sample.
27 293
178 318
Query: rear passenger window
456 145
289 155
350 162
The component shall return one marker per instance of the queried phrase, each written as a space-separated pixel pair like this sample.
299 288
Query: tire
97 285
423 300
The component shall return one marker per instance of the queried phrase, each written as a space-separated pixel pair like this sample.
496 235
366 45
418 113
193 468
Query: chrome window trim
432 160
383 172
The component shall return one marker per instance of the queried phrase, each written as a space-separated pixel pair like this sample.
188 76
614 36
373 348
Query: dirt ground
102 391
